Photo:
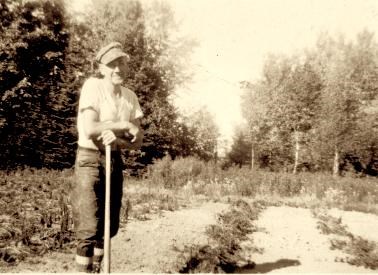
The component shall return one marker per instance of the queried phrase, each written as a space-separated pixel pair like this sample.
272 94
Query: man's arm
125 142
94 128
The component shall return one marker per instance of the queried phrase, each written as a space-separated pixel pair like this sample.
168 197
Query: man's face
115 71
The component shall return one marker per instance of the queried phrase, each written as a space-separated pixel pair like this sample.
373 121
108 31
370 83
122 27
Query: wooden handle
107 210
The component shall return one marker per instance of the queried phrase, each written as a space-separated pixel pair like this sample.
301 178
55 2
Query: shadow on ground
267 267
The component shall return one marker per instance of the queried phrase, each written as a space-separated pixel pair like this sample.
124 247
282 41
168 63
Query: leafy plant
223 253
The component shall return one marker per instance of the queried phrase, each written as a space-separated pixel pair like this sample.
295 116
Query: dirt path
153 246
292 243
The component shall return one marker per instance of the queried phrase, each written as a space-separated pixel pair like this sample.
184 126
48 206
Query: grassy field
36 214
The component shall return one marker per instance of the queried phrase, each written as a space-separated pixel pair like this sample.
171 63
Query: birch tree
282 106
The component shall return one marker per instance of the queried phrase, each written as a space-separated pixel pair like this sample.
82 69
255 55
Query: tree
350 81
279 108
314 103
239 153
254 109
33 43
202 134
301 103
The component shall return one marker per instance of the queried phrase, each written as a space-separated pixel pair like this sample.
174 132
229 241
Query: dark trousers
88 198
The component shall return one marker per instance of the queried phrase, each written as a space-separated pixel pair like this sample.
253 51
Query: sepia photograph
189 136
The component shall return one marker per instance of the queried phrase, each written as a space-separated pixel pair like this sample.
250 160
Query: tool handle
107 210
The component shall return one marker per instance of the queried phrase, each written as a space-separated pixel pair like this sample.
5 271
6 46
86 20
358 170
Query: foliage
331 225
190 177
194 177
34 40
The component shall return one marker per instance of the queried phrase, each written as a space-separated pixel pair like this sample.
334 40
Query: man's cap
110 52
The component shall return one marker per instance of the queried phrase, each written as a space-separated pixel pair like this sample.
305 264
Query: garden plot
288 238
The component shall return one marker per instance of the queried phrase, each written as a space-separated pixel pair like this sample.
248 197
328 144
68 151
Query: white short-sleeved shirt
94 95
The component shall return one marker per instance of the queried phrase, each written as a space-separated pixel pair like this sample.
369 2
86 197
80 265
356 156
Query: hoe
107 211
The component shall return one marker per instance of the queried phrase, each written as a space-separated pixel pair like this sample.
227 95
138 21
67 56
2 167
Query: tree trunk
336 163
215 153
296 152
252 158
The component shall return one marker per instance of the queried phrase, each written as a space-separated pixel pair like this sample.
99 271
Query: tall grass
194 177
177 173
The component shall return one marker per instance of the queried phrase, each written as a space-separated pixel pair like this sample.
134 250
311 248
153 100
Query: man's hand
135 132
108 137
132 138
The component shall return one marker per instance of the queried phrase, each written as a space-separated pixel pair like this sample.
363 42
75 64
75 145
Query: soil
288 236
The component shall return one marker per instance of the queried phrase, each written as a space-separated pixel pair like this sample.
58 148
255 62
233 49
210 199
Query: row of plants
360 251
224 252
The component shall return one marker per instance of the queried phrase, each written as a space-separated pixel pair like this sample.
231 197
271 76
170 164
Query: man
108 114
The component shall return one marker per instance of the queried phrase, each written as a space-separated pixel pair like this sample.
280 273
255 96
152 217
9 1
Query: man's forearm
124 143
94 129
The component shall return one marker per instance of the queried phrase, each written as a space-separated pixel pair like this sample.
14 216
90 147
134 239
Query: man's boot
98 255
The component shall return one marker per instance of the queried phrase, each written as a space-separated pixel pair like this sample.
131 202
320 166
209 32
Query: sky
234 37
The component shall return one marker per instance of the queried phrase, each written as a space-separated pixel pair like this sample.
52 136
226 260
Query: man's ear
101 68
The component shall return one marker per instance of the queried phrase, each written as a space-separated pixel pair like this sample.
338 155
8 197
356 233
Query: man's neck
114 90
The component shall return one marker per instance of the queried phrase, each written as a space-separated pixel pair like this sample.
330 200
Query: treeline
47 52
314 110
